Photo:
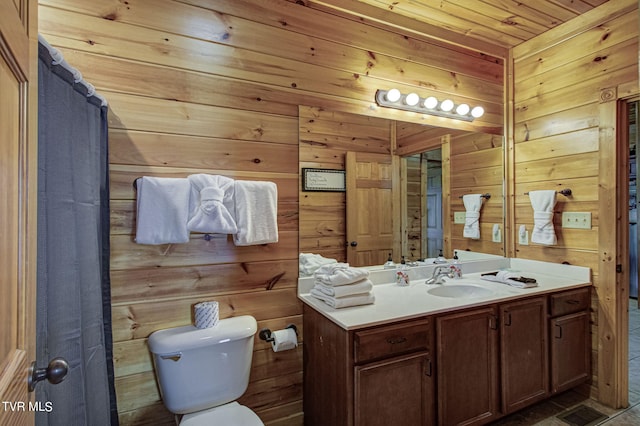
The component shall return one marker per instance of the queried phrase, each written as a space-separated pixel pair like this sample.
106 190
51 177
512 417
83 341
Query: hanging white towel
162 210
211 204
472 204
337 274
543 203
256 212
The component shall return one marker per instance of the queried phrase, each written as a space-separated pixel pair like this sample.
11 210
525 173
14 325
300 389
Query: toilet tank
203 368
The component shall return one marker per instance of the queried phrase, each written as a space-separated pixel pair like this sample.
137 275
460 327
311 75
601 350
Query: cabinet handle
558 331
429 368
396 340
493 322
507 320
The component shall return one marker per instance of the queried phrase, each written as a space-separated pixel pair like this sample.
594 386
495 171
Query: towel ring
487 196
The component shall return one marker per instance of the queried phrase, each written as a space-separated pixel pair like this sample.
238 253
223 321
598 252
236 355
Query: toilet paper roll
284 340
206 314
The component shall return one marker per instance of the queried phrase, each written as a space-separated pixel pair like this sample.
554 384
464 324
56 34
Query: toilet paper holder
265 333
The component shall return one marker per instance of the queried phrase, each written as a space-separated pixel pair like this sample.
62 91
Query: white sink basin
462 291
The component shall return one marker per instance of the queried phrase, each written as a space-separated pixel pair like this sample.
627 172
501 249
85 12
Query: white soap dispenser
402 274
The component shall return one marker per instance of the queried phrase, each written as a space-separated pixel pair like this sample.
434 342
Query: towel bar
487 196
566 192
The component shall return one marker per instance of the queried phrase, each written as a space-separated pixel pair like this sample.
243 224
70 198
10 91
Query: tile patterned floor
544 414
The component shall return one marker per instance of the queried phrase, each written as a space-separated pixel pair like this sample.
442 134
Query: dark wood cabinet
467 366
397 391
570 339
524 353
377 376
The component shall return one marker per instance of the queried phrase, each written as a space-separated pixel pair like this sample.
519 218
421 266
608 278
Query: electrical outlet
496 237
576 220
459 217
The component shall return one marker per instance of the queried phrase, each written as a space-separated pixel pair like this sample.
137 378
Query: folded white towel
510 278
343 302
162 210
211 204
256 213
359 287
337 274
310 262
472 204
543 203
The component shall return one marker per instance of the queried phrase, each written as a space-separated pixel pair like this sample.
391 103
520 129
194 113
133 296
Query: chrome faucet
440 272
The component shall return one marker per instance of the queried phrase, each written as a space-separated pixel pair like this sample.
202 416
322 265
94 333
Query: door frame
613 245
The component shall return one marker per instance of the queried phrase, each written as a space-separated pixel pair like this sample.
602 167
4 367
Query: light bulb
412 99
430 102
446 105
477 112
393 95
462 109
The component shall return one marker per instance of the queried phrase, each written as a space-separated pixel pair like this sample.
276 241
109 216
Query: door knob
55 372
354 243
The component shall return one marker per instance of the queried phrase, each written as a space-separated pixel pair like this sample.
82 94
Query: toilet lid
227 414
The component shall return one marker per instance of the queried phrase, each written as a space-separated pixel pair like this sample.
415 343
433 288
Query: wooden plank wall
557 82
196 86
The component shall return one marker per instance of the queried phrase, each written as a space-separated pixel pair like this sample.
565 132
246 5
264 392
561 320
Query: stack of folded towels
339 285
510 278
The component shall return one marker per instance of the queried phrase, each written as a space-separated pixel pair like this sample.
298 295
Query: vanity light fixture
393 98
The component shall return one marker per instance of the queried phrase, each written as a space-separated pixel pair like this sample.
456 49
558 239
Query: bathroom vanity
414 358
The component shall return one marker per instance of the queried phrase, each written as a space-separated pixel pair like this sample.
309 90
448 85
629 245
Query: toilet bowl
201 372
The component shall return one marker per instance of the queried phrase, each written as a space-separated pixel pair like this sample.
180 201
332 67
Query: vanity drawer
569 302
386 341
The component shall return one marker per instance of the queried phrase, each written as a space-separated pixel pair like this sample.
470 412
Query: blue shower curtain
73 317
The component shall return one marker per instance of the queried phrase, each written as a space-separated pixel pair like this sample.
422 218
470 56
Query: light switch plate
523 238
496 237
576 220
459 217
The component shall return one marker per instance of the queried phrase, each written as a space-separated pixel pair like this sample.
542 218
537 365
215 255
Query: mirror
470 163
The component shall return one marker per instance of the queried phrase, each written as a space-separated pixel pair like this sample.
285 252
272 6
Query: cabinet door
467 367
396 391
524 353
570 351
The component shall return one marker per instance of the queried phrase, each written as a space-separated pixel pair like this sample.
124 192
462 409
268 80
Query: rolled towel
309 263
337 274
543 203
343 302
359 287
162 210
472 204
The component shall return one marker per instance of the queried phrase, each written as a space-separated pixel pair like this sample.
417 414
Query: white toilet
201 372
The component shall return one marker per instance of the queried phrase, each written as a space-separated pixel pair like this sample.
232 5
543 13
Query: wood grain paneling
562 139
201 87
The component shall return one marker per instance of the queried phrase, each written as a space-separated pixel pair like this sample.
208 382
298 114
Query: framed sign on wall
323 180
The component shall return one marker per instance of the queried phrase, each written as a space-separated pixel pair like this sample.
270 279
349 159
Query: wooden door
570 351
398 391
434 222
18 177
370 209
524 353
467 367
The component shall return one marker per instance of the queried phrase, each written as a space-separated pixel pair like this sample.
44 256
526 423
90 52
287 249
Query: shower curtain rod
58 59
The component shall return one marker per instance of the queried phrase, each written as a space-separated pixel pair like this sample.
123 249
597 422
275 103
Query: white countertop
394 303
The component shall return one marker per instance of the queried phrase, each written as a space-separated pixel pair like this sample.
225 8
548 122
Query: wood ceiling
491 26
